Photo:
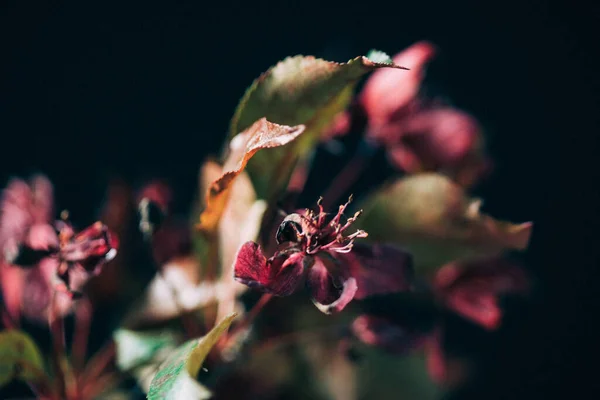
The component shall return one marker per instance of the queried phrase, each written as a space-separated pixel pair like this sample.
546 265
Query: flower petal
25 212
251 266
439 139
287 272
281 274
382 333
436 359
472 289
387 92
91 247
379 269
329 293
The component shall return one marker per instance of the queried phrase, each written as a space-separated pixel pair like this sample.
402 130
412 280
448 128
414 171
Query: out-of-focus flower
471 290
316 252
419 134
82 255
35 252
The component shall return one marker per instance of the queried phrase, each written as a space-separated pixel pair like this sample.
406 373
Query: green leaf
176 379
20 358
298 90
138 348
437 222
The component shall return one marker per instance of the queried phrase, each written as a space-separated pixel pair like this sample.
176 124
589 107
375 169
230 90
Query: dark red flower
315 252
471 290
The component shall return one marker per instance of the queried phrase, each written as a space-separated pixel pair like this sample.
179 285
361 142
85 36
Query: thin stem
98 363
348 175
57 329
300 173
99 385
249 318
83 319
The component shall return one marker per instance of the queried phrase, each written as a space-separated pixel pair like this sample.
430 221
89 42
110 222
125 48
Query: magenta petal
379 269
91 248
329 293
436 359
281 274
251 266
388 91
472 289
287 272
382 333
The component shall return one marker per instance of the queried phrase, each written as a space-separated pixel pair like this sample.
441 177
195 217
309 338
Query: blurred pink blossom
418 134
470 289
39 256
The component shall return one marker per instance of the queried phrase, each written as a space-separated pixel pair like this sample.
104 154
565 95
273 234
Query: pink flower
82 255
316 252
39 255
418 134
471 290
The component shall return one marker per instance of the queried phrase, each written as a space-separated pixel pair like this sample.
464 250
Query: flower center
314 232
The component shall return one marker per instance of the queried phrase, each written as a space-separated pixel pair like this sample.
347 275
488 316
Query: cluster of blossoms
426 243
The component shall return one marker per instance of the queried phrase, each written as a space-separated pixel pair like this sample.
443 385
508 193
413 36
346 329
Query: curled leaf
437 222
176 379
20 358
298 90
261 135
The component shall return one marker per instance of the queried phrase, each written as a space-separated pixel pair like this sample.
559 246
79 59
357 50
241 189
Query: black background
141 89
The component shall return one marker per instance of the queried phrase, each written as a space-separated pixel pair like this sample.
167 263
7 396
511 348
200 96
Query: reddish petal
42 237
12 289
472 289
436 359
281 274
287 272
15 218
329 293
382 333
436 139
91 247
42 195
379 269
388 91
251 266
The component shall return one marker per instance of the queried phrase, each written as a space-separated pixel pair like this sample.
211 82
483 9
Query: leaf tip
379 58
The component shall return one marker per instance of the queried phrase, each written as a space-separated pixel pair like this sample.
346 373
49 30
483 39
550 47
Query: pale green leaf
176 378
138 348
